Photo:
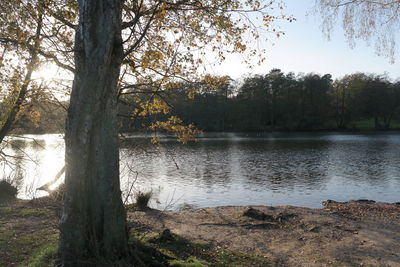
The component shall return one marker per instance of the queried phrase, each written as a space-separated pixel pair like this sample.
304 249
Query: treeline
289 102
275 101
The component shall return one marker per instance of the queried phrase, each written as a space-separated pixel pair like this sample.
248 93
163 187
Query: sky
304 49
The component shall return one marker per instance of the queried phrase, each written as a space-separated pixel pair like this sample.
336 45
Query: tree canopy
372 21
163 42
293 102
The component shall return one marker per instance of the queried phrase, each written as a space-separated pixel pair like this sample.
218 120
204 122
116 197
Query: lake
235 168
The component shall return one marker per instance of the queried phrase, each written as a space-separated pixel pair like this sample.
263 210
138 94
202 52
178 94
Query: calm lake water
236 169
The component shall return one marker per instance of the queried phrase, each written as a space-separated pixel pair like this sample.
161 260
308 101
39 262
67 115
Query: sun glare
47 72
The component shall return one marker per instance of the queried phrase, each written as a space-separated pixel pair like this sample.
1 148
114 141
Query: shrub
7 191
58 193
142 200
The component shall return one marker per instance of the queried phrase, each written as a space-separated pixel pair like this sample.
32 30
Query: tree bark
93 224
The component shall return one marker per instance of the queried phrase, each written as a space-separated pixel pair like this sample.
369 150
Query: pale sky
305 49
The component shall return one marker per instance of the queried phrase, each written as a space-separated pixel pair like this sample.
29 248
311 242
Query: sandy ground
355 233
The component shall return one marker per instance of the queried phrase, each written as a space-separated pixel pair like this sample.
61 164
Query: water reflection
34 161
240 169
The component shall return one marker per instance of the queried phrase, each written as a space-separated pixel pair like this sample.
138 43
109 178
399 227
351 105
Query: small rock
284 217
315 229
329 202
365 201
258 215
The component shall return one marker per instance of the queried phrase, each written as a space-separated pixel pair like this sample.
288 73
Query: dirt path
342 234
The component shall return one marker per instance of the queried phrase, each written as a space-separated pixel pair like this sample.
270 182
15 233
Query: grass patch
42 257
27 237
364 124
22 212
185 253
369 124
395 124
190 262
25 248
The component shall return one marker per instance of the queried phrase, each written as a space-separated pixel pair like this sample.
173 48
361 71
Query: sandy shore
354 233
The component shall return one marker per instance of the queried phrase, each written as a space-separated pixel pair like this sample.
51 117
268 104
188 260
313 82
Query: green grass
45 256
22 212
186 253
190 262
395 125
27 249
26 237
364 124
369 124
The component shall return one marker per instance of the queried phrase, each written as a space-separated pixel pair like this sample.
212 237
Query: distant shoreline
242 132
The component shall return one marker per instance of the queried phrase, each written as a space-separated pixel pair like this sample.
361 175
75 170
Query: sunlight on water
234 169
38 158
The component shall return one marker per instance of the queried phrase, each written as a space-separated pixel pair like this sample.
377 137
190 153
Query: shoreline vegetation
275 101
353 233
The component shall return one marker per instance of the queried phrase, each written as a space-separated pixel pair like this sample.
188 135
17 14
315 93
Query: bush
58 193
7 191
143 199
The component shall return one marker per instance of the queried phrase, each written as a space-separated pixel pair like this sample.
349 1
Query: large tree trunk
93 224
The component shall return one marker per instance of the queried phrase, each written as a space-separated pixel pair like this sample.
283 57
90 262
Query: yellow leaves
184 133
156 106
182 30
171 85
194 24
35 117
223 21
268 18
18 34
155 140
240 47
215 81
151 58
67 14
192 94
160 17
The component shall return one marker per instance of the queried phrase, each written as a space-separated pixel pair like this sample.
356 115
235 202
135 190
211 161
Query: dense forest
285 102
274 101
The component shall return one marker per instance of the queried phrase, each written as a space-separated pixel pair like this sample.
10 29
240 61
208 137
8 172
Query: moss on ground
45 256
185 253
22 212
190 262
27 249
